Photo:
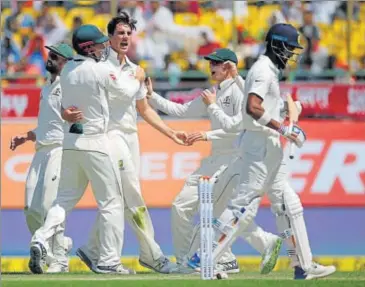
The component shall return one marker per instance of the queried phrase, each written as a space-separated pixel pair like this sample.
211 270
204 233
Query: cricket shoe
230 267
115 269
194 264
57 267
162 265
270 255
38 255
183 269
86 259
315 271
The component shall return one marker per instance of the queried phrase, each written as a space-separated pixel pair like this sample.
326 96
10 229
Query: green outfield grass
244 279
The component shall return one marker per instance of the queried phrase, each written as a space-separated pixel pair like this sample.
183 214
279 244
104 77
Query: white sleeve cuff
213 107
265 119
208 134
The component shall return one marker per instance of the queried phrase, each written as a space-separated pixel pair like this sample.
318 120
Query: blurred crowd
173 36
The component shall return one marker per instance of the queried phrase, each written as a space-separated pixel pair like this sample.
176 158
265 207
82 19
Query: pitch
247 279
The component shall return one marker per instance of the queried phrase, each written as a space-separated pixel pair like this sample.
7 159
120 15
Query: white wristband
265 119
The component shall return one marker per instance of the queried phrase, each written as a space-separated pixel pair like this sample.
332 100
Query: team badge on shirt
57 92
226 101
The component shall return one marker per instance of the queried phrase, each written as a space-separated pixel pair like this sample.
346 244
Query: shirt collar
272 66
114 58
225 84
56 81
127 64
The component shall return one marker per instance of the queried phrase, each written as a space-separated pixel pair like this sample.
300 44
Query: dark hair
123 18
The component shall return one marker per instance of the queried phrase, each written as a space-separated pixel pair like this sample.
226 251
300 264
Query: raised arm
195 108
230 124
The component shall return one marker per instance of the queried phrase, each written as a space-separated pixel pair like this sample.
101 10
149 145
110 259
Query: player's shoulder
260 68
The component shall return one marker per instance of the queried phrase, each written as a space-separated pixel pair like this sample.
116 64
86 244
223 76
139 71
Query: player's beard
52 67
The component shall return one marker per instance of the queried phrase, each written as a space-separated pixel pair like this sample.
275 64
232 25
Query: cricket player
122 132
44 173
186 204
262 165
88 84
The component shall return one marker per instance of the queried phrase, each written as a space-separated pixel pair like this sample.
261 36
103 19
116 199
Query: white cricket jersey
123 116
49 128
89 85
263 80
229 99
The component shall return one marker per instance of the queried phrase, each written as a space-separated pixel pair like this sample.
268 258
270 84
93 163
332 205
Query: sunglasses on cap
215 63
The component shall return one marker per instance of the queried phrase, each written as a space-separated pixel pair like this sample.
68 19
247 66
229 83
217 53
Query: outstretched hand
195 137
17 141
180 137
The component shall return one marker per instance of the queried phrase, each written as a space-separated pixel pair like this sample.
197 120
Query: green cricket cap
222 55
86 35
62 49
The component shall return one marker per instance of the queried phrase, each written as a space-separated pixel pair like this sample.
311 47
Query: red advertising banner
329 99
17 102
339 100
328 171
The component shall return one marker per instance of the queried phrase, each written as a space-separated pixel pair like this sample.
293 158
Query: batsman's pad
226 234
298 231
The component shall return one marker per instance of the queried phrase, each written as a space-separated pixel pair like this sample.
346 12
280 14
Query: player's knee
187 199
278 209
192 180
182 210
57 213
29 211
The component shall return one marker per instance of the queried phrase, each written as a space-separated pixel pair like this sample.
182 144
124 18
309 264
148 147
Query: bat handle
291 144
291 150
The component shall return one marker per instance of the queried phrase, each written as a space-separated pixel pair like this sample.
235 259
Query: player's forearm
168 107
151 117
31 135
228 124
258 113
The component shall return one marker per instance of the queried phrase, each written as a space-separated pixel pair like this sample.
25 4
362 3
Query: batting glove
294 134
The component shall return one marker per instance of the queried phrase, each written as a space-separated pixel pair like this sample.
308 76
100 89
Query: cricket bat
293 114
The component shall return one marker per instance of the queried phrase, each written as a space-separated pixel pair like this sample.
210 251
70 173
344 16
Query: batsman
224 151
262 164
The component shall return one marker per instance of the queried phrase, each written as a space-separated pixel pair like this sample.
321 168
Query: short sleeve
258 83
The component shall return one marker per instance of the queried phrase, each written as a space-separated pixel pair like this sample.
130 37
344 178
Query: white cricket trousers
261 159
77 170
42 184
41 188
186 204
123 151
